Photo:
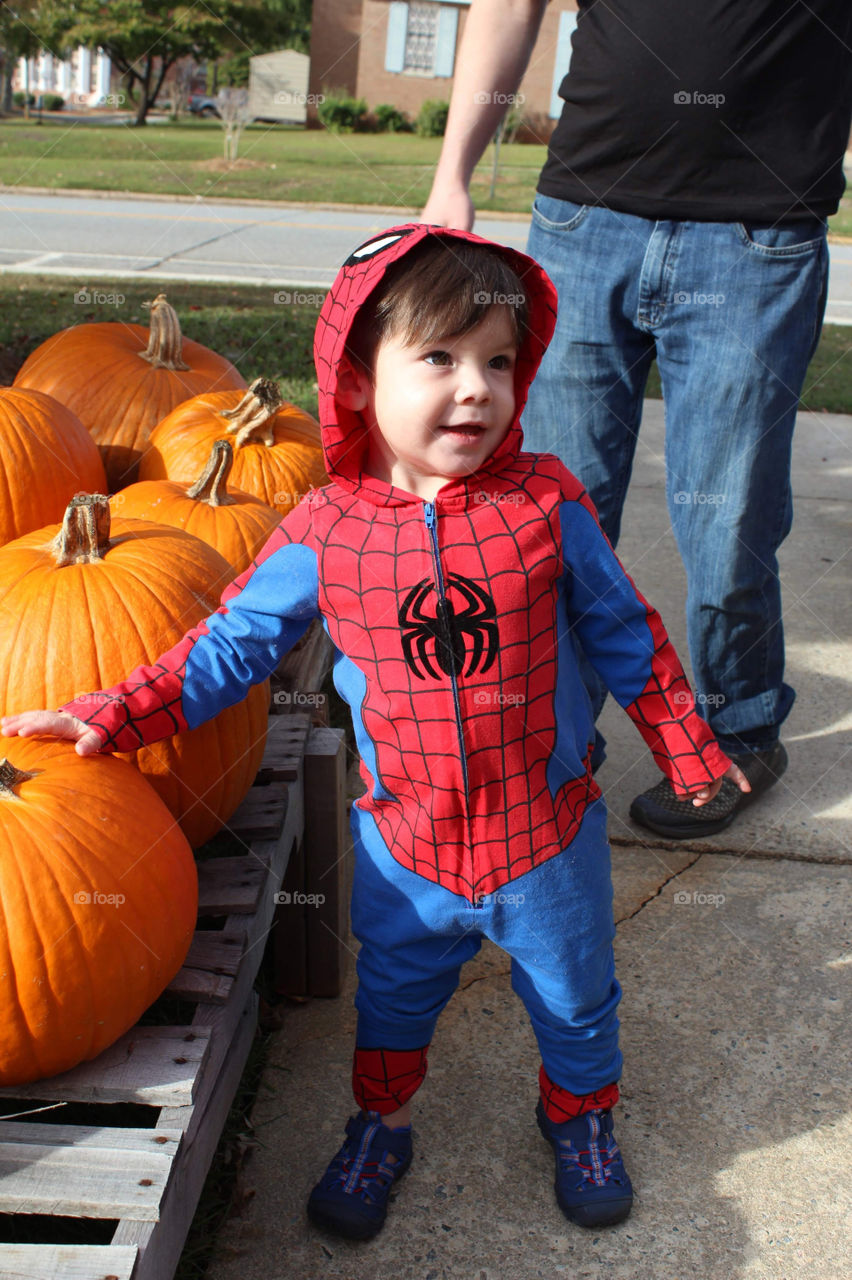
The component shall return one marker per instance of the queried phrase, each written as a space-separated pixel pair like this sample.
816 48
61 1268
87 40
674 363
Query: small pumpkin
98 904
277 451
121 379
235 523
92 599
46 456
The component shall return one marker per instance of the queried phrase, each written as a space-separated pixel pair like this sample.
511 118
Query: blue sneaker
352 1195
592 1186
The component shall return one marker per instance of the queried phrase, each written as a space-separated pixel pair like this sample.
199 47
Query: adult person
681 213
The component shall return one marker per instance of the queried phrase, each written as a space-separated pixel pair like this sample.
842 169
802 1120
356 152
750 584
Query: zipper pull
429 515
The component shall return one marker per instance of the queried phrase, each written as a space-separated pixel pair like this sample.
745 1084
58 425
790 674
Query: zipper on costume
431 518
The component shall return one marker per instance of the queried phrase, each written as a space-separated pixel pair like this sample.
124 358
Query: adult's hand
450 207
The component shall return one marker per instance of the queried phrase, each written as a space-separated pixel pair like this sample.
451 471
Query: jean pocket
782 240
558 215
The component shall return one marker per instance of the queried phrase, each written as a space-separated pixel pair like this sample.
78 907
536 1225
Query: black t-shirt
722 110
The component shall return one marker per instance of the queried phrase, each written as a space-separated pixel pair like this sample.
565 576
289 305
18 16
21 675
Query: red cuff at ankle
384 1079
560 1105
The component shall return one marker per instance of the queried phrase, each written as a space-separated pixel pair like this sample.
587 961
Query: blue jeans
733 314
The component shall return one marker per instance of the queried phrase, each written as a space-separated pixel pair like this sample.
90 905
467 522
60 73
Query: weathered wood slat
157 1065
160 1244
82 1179
195 984
70 1261
261 814
216 950
229 886
285 744
160 1141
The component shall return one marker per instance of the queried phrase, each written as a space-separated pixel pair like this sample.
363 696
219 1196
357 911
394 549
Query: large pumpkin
277 451
91 601
98 903
235 523
121 379
46 456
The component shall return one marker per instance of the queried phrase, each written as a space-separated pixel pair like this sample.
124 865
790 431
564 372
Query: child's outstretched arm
52 724
262 614
624 638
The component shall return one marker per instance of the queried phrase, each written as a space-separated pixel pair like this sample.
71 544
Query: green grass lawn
262 338
275 163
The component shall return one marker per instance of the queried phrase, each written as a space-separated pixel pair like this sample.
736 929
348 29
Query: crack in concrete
659 890
776 855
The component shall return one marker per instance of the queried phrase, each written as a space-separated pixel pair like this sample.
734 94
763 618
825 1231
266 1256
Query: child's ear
353 387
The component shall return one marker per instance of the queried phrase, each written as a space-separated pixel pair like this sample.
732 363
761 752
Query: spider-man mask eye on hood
344 433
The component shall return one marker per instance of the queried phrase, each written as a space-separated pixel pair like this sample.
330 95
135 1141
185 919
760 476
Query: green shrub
432 118
53 102
234 71
389 119
18 99
339 112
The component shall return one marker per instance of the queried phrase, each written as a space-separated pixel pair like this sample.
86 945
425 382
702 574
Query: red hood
344 434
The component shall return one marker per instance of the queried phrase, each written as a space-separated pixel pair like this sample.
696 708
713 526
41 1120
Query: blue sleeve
262 616
608 616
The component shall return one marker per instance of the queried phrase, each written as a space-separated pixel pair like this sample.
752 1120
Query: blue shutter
567 26
397 31
445 43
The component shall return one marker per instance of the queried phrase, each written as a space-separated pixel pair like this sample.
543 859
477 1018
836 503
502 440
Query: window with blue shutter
397 29
445 45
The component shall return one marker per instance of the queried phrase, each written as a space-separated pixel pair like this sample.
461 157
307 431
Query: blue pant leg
585 403
737 325
556 923
414 936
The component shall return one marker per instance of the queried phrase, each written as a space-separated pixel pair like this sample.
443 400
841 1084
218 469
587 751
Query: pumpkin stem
84 536
251 419
11 777
212 485
165 341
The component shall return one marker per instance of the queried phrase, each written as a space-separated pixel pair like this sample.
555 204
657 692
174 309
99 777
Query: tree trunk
144 96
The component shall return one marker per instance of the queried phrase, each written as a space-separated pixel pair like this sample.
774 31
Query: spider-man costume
454 624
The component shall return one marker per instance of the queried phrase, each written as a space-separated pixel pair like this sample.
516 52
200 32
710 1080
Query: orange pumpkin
98 903
121 379
93 601
46 456
235 523
277 451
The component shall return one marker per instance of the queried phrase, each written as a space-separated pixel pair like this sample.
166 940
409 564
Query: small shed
278 85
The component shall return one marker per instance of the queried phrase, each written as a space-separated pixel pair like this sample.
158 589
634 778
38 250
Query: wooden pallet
146 1180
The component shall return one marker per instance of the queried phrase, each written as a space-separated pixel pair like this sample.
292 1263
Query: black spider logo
448 629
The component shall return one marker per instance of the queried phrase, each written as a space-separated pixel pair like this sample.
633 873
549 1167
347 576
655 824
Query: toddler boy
456 577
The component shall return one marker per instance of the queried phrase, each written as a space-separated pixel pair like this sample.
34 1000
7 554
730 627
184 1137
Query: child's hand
709 791
52 724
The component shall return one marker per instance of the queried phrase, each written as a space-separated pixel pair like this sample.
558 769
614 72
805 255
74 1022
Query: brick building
403 52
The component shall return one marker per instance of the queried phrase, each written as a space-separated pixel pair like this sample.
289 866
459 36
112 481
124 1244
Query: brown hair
441 289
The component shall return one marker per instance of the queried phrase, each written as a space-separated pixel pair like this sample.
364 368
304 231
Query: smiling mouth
470 429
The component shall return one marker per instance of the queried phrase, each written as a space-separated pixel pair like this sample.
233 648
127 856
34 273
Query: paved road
88 238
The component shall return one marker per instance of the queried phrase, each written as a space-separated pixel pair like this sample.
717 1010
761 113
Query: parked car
201 105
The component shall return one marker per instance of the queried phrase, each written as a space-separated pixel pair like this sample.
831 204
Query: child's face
436 412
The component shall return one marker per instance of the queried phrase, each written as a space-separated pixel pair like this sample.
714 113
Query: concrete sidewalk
733 960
